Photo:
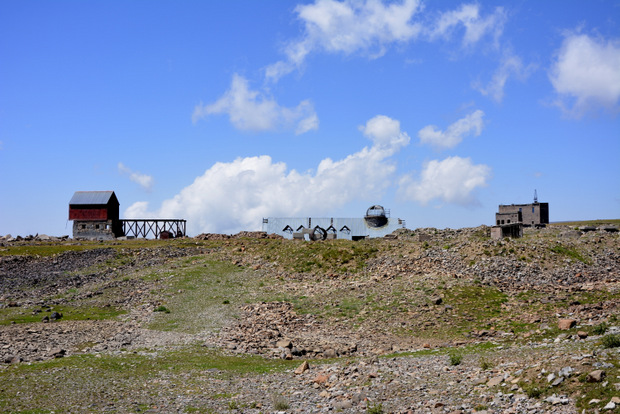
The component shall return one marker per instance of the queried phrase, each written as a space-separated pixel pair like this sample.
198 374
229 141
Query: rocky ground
441 321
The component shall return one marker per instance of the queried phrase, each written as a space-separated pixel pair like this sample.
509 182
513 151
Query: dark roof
92 197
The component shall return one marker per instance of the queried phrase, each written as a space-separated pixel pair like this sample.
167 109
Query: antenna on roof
535 197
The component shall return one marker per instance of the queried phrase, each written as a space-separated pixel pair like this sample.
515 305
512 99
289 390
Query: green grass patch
602 391
569 252
472 349
201 294
587 223
331 256
474 307
69 313
52 248
611 341
90 383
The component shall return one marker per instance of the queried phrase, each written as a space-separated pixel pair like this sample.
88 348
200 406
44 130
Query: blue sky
223 113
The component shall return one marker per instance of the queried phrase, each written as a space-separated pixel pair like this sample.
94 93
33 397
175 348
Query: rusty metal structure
95 216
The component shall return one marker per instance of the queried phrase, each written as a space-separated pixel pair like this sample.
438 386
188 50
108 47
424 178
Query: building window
508 221
498 222
83 226
533 209
519 209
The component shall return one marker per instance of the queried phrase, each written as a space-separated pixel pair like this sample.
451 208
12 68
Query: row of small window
330 229
97 226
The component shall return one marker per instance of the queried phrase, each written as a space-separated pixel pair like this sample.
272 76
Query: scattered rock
596 376
302 368
495 381
566 324
57 353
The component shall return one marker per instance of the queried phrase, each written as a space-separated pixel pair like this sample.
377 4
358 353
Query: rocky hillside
428 321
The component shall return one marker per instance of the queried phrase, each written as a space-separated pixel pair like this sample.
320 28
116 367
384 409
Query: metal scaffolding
144 227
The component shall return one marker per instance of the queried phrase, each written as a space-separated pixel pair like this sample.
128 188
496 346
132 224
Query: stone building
534 214
95 215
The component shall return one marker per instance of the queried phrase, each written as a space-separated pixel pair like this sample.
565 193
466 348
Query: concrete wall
514 230
507 218
532 214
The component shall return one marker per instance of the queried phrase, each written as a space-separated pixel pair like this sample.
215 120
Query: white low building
376 223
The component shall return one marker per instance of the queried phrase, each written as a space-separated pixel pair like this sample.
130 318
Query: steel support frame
144 227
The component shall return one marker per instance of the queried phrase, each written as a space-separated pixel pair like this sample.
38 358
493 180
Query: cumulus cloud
470 125
510 65
250 110
452 180
143 180
469 18
370 27
586 74
385 132
347 27
236 195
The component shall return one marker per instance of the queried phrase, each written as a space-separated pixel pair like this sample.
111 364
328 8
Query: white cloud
385 132
235 196
454 134
476 26
250 110
370 27
348 27
586 74
145 181
511 65
452 180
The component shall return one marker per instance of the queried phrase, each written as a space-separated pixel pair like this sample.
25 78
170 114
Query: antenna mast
535 197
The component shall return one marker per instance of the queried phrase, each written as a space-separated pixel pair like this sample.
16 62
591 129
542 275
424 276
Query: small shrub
280 403
532 391
600 329
375 408
226 302
455 358
611 341
485 364
162 308
232 405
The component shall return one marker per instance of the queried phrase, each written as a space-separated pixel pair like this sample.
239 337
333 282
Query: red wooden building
95 215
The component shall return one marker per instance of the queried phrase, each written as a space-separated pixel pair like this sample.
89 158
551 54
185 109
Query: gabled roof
93 197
